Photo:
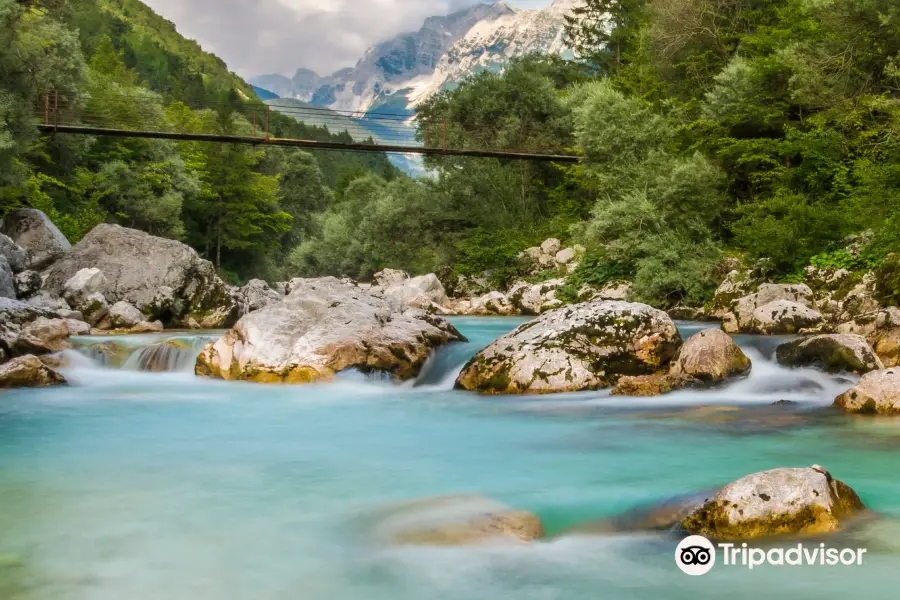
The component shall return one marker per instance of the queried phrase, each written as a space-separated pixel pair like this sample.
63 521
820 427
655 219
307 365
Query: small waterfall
107 354
442 369
174 355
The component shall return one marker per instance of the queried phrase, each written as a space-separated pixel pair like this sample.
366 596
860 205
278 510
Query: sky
256 37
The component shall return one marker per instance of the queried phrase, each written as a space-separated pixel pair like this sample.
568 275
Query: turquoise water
138 486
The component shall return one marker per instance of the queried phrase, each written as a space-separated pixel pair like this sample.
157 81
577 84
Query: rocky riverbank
114 281
119 281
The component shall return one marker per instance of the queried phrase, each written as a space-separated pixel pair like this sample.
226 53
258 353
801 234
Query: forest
759 129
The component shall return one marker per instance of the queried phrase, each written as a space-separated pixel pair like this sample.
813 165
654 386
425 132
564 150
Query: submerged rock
648 386
877 393
166 357
321 328
833 352
164 279
455 521
108 354
582 347
37 235
28 371
772 503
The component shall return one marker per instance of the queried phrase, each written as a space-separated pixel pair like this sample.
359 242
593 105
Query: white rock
565 256
551 246
582 347
322 328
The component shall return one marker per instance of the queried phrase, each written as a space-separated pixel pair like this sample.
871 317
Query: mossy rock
775 503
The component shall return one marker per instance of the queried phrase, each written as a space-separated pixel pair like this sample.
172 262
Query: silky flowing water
130 485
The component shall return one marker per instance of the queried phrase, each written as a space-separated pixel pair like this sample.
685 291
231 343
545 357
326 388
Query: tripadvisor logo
696 555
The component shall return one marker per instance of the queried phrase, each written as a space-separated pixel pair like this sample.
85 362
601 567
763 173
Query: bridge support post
444 141
268 115
46 109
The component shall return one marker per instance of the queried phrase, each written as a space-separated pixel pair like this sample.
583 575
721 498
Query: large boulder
772 503
416 292
323 327
710 356
13 253
453 521
37 235
835 353
164 279
7 280
882 330
877 393
256 295
28 371
581 347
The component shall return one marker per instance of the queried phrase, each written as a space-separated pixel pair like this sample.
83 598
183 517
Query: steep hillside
167 61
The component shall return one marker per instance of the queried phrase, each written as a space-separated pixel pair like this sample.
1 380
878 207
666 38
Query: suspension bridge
143 117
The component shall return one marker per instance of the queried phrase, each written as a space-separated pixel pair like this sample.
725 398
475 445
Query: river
133 486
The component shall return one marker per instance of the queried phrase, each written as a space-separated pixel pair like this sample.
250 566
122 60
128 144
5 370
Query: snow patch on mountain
400 73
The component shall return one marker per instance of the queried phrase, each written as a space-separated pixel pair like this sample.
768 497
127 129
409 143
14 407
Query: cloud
278 36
